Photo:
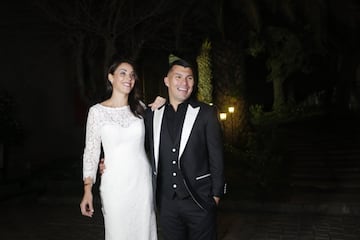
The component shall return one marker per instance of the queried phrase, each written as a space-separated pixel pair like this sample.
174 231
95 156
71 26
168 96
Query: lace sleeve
92 146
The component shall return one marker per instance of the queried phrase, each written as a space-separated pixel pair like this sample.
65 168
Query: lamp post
231 111
223 116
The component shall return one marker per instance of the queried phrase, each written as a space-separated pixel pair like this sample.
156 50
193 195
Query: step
318 164
326 184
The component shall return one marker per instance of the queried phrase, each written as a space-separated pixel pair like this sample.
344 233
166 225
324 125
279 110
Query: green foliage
205 87
256 44
256 112
287 113
286 53
265 155
173 58
258 169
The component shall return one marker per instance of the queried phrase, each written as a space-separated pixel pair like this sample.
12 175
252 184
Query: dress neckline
108 107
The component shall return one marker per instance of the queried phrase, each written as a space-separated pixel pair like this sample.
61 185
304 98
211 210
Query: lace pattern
99 116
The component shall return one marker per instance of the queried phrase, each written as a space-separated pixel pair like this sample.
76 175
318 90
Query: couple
183 139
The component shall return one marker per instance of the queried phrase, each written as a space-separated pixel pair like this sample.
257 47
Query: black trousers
182 219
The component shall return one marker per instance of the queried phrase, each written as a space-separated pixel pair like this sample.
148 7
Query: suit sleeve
147 122
216 153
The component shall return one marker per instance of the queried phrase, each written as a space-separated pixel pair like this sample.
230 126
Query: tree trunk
279 100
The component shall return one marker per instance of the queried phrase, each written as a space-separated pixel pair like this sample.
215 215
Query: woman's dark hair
134 96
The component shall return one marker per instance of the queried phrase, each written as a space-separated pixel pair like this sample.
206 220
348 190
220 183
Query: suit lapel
158 116
190 117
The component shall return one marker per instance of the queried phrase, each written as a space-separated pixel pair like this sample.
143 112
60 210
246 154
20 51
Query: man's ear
166 81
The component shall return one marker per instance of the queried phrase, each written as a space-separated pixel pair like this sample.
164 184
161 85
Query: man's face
180 82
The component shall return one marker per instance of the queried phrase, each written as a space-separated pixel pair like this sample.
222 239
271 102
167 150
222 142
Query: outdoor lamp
222 116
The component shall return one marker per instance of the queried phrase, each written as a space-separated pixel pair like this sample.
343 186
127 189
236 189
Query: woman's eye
122 74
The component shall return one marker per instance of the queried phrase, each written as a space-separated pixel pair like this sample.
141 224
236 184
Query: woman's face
123 78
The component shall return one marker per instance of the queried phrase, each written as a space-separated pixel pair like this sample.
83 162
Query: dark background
37 70
34 67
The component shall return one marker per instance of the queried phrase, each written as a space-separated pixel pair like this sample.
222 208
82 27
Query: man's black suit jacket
201 157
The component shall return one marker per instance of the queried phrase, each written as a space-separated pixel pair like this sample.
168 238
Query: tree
228 61
286 57
284 50
312 37
203 60
98 29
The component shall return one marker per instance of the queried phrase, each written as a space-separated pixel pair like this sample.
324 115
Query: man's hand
101 166
217 200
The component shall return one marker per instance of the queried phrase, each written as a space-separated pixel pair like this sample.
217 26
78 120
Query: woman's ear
110 78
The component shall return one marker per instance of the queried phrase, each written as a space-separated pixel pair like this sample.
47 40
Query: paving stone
46 220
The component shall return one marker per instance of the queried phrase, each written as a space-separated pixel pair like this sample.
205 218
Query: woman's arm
157 103
92 146
90 162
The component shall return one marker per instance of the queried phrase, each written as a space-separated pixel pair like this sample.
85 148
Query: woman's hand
86 205
159 101
102 166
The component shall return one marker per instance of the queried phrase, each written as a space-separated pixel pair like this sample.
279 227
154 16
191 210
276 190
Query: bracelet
85 184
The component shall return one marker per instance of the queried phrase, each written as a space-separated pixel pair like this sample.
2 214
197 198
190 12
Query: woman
126 188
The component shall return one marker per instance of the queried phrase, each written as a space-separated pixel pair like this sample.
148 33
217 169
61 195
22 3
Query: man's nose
184 82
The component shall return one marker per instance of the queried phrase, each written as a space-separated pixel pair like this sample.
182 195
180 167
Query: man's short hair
183 63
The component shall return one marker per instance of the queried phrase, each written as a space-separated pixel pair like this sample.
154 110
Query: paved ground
55 215
270 226
47 219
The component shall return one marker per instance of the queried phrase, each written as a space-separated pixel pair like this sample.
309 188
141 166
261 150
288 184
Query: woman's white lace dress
125 188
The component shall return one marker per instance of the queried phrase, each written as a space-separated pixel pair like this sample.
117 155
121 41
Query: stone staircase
325 159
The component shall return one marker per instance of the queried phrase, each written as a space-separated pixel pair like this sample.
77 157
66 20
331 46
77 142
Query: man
186 151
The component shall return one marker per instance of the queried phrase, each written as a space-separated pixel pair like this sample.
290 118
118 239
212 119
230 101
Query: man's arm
216 154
